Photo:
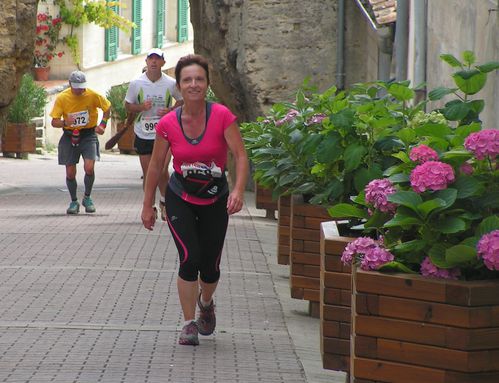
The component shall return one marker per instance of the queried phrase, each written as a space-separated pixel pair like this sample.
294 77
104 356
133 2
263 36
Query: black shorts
143 146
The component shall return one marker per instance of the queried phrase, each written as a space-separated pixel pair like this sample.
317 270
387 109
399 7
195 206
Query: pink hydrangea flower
428 269
359 246
317 118
432 175
488 249
375 257
287 118
483 143
466 168
423 153
377 192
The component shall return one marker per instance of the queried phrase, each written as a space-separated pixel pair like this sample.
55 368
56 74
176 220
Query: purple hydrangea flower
483 143
488 249
428 269
360 245
432 175
368 251
466 168
375 257
377 192
317 118
287 118
423 153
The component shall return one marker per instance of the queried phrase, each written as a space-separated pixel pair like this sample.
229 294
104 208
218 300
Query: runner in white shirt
150 96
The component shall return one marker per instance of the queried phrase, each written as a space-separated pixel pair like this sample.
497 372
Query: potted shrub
432 275
19 134
116 96
325 146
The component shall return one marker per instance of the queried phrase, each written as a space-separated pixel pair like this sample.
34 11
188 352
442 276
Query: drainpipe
401 39
340 46
420 25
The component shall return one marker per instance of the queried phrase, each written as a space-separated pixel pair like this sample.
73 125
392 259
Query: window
160 22
183 21
111 40
136 32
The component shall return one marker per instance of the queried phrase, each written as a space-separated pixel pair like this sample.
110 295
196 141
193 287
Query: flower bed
412 329
335 298
305 251
283 220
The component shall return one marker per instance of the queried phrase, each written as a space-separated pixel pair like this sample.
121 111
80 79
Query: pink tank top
208 152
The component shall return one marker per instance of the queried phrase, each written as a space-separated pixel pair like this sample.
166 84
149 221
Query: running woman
198 200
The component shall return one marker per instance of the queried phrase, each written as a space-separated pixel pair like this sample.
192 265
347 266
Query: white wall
102 75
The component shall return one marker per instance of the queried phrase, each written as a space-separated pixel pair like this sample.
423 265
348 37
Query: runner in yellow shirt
76 112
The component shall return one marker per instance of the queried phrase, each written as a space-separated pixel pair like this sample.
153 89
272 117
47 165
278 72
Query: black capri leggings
199 233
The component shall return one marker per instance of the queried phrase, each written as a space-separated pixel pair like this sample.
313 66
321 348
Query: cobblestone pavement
92 298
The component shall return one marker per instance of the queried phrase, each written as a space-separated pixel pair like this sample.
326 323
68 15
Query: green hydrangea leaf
460 255
470 81
345 210
488 225
488 67
451 60
406 198
450 225
440 92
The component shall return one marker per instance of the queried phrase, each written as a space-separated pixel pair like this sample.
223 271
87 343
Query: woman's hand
148 217
234 202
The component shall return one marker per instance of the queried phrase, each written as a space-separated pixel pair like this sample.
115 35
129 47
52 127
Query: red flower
47 38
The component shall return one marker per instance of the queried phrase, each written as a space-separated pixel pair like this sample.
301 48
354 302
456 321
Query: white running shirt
160 93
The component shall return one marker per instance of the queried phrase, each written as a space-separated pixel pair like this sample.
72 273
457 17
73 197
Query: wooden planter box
283 220
305 258
411 329
263 200
126 142
19 139
335 298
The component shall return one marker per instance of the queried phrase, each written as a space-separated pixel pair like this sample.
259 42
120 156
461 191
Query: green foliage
445 223
116 95
469 79
329 145
29 102
76 13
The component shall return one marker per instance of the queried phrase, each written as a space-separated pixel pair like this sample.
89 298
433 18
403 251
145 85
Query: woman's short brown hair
190 60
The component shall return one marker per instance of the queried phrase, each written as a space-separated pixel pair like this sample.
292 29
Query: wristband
103 123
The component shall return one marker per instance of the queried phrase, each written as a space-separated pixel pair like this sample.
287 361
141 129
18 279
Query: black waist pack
202 185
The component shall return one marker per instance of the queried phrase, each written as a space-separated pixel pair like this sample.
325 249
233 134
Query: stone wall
261 51
17 37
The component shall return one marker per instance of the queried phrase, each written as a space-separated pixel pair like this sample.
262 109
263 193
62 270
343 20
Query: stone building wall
261 51
17 37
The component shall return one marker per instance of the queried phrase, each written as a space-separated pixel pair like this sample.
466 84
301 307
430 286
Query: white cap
156 51
78 80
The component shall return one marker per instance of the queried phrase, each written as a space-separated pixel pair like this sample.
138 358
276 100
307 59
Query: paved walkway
92 298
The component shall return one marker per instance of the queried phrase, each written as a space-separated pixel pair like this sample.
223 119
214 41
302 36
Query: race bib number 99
80 118
148 125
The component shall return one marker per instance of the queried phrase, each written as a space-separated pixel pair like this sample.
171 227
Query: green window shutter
160 23
137 19
182 30
111 40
